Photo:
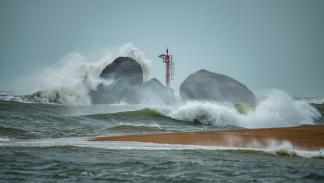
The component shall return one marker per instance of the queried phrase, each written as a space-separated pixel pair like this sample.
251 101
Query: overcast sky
264 44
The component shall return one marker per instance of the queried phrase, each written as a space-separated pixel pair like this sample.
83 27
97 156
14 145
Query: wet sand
309 137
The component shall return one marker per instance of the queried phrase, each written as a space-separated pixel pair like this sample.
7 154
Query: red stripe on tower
167 59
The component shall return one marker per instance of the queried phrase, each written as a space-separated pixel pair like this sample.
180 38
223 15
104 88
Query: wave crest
277 109
142 114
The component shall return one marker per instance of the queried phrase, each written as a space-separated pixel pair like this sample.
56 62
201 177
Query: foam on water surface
279 148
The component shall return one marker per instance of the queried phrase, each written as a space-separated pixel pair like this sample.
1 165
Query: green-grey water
49 143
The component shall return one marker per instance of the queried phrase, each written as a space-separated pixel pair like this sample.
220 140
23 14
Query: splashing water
277 109
72 81
77 75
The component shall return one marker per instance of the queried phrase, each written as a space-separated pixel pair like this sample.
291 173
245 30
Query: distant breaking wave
27 99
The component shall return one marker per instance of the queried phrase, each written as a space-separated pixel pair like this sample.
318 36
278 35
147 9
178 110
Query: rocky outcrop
123 78
123 82
154 92
124 68
208 86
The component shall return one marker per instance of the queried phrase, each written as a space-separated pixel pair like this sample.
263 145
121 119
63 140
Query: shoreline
310 137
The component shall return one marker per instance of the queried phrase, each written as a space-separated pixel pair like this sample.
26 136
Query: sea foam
277 109
277 148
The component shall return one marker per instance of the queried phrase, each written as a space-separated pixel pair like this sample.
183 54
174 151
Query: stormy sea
48 142
44 137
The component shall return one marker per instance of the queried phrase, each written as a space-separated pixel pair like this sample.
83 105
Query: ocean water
47 142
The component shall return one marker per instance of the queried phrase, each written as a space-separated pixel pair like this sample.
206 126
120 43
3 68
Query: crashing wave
71 82
277 109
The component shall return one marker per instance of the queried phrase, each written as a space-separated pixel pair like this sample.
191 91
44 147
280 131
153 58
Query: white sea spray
72 79
277 109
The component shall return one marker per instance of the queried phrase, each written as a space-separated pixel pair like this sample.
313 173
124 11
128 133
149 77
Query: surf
273 147
277 109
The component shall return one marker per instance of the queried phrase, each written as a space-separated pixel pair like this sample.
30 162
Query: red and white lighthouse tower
169 68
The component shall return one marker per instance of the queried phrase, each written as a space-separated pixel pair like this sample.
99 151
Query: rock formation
208 86
123 77
153 91
124 83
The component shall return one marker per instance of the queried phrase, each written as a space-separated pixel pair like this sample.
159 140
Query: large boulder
124 68
153 91
208 86
123 78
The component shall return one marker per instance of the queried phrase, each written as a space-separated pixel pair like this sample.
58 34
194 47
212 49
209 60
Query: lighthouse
169 67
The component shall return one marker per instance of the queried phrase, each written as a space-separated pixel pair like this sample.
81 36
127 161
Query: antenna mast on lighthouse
169 66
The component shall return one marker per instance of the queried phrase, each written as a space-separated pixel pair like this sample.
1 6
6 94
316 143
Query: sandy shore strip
310 137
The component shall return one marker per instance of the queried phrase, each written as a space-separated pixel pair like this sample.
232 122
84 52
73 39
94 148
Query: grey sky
264 44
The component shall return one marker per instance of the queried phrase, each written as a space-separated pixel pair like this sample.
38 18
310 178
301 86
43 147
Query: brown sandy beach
310 137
